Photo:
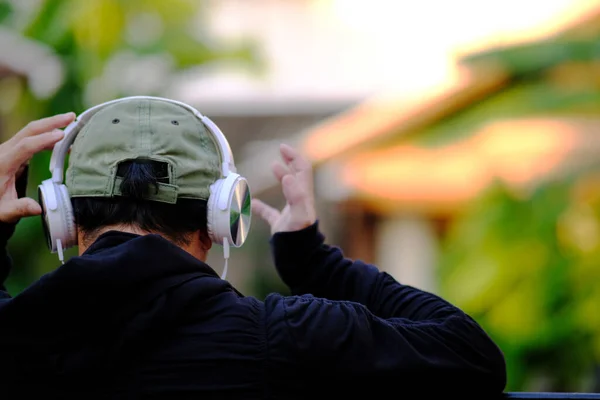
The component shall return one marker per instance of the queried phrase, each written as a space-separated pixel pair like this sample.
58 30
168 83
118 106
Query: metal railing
551 395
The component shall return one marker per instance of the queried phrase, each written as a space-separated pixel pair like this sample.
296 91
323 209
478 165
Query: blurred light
520 151
145 29
128 72
459 23
412 174
578 228
385 116
422 40
516 151
441 28
37 62
98 91
329 50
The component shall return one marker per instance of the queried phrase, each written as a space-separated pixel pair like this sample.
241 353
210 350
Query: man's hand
15 154
295 177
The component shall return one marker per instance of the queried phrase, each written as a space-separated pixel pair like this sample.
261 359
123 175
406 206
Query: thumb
13 210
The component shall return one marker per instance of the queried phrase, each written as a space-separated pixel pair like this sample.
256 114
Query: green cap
147 129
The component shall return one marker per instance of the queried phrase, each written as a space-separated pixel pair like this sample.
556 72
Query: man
138 314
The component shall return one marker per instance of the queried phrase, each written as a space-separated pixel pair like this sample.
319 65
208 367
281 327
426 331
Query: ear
205 240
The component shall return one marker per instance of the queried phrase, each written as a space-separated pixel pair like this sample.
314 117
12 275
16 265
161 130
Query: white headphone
228 217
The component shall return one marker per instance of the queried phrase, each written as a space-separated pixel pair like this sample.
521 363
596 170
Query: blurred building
392 171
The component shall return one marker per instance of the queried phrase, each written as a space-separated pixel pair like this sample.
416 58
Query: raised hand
15 153
296 179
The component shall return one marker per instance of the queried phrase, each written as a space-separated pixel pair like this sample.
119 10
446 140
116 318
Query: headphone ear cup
68 218
229 214
211 217
57 216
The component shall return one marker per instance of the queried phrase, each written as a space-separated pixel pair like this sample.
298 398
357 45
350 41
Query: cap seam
214 142
110 182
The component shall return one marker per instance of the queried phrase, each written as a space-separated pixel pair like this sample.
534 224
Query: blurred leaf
5 11
98 27
511 262
50 22
533 58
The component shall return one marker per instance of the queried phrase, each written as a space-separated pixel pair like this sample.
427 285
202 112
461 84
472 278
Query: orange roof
381 118
517 152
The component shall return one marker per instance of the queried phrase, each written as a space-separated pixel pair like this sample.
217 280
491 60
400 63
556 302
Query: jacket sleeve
348 320
6 232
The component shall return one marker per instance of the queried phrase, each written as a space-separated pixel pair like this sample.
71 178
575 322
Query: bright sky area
352 48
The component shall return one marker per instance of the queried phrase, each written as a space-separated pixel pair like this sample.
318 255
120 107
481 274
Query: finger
265 211
46 125
301 204
14 210
293 191
51 145
28 146
292 157
26 163
280 170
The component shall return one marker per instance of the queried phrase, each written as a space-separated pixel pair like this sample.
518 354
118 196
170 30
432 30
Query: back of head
143 163
153 164
174 221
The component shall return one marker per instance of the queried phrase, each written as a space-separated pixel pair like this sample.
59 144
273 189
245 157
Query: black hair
174 221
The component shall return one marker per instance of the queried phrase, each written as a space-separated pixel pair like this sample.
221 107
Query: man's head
146 165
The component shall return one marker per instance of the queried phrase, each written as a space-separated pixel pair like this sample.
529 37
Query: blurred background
455 144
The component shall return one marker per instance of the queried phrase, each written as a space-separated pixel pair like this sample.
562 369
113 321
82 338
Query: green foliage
88 35
532 92
526 267
5 11
523 99
526 264
533 58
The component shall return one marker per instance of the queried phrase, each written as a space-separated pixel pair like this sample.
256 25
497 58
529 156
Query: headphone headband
59 153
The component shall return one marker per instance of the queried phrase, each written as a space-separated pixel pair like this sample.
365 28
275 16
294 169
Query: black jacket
137 317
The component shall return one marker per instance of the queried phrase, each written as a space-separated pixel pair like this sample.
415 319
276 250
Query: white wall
406 248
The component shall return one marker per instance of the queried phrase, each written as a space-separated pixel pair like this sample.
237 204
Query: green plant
526 266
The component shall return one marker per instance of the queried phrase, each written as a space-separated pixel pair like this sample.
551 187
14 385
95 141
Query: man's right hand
15 153
295 177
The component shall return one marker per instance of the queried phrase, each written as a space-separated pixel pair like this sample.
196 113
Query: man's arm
344 346
309 266
363 326
362 323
